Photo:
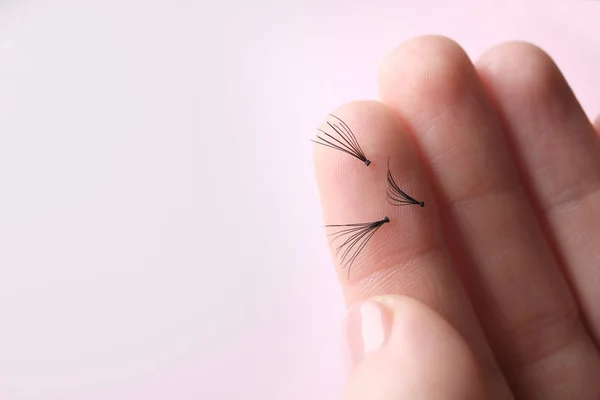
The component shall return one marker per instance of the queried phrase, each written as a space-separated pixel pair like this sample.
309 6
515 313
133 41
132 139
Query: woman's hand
503 262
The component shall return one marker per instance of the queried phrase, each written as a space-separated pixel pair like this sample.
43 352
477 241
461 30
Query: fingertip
419 354
352 192
345 182
425 66
522 69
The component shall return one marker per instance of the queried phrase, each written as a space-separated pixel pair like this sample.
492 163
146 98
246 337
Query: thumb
399 349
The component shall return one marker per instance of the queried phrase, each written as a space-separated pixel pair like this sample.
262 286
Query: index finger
407 256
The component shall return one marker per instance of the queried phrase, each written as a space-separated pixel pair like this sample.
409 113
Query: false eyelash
357 237
348 143
396 196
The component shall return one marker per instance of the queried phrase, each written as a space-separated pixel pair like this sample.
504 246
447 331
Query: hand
492 290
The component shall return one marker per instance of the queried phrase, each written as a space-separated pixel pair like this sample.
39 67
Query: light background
159 224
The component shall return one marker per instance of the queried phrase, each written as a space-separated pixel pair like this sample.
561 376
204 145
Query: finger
597 125
559 153
514 281
404 350
408 255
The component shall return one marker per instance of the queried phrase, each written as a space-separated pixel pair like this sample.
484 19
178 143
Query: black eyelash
396 196
348 143
358 235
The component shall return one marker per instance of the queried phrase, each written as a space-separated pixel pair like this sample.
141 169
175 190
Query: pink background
159 224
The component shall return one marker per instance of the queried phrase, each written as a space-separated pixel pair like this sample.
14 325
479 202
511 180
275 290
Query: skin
503 262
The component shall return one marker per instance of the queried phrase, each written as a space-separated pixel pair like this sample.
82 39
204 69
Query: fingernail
366 329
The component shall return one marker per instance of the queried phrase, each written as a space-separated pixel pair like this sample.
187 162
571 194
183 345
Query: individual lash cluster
345 141
396 196
356 236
